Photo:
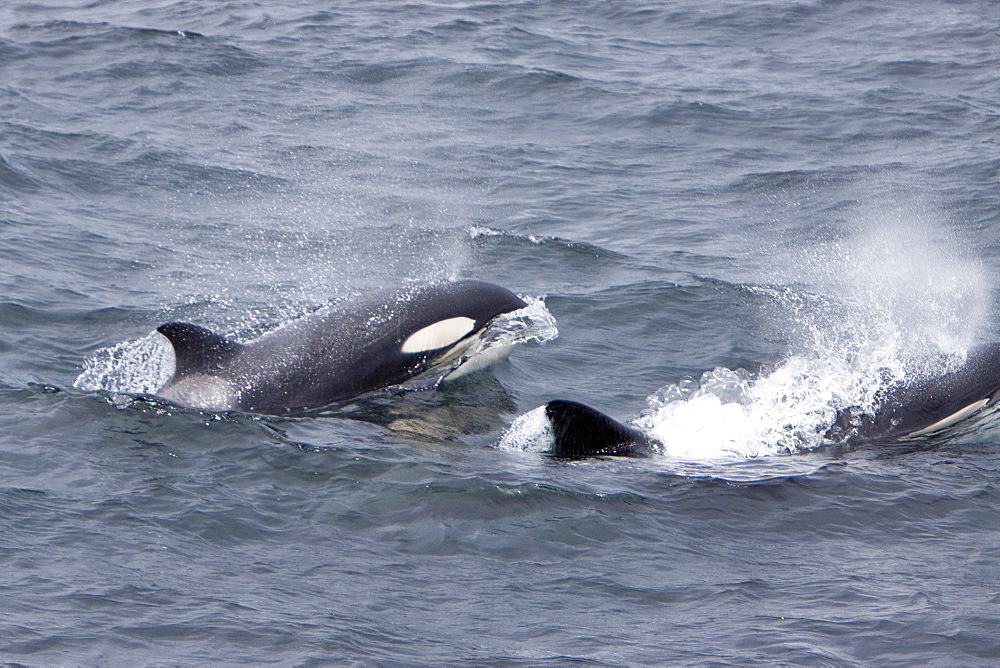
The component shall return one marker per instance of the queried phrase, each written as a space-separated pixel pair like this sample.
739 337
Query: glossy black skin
336 353
580 431
902 410
906 408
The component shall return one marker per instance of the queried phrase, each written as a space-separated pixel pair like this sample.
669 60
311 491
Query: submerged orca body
907 411
337 353
903 412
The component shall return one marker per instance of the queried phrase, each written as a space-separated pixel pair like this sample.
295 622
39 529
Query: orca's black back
356 347
580 431
907 408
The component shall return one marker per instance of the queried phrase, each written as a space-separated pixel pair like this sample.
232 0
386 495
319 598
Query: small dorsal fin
196 349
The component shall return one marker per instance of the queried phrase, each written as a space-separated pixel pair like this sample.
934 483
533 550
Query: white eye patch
439 335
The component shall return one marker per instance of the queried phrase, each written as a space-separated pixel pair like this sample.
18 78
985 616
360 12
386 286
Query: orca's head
580 431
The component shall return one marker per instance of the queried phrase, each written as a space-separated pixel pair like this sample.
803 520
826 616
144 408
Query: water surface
690 186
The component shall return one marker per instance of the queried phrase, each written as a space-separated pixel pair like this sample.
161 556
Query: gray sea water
806 190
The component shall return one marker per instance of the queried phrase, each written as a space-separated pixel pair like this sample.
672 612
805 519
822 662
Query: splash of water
533 322
142 366
530 432
895 302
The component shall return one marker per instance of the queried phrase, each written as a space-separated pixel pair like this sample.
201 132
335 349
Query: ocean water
740 215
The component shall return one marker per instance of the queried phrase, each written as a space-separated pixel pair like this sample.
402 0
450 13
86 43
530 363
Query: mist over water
895 278
277 275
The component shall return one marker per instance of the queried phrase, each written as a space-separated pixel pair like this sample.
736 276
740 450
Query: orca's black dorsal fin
581 431
196 349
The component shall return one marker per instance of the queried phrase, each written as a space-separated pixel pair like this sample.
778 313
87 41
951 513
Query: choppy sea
786 199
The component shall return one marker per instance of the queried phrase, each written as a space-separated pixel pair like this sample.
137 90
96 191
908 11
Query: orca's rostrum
339 352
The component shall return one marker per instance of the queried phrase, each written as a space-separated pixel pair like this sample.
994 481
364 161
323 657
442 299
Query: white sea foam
480 231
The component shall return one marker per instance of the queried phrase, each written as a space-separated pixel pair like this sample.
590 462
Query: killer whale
337 353
903 412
